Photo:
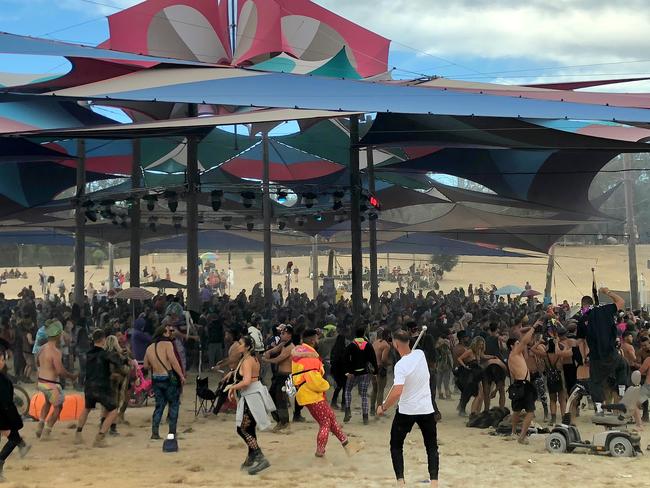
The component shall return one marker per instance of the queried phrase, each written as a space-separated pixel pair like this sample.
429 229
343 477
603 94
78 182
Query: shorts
106 400
494 373
526 400
53 393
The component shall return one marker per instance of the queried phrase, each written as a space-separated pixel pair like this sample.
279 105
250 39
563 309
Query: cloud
560 32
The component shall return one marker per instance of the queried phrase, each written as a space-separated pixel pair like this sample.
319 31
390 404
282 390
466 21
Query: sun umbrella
509 290
208 256
134 294
530 293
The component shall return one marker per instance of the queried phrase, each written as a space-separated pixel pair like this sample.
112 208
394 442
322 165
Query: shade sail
15 44
22 151
281 90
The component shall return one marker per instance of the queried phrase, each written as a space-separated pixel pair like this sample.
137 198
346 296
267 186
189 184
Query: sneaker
24 449
100 440
348 415
279 427
352 447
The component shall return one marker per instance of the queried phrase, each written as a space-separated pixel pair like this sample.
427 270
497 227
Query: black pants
601 370
14 440
279 398
341 381
402 425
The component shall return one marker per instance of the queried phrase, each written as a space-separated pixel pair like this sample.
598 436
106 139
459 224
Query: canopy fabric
193 30
281 90
21 151
285 164
15 44
339 66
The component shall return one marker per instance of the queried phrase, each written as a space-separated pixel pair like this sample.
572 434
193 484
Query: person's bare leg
41 419
434 483
528 419
110 418
502 394
56 412
515 421
487 397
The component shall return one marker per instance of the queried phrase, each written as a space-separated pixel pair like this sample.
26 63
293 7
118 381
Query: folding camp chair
205 398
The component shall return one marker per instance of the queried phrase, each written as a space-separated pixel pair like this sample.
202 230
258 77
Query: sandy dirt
210 454
572 277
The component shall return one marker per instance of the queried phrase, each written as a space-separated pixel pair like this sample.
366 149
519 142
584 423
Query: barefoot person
10 421
97 388
412 393
168 378
254 403
307 371
50 374
522 392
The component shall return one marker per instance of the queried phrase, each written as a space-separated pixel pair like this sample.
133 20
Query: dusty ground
572 272
210 454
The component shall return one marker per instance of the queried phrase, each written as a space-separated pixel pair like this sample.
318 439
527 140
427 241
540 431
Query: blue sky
484 40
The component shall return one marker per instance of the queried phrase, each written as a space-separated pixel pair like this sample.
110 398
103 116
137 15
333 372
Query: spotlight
300 221
309 199
248 197
227 222
150 201
172 200
374 202
338 197
318 217
216 196
339 217
152 223
250 224
281 196
177 221
281 223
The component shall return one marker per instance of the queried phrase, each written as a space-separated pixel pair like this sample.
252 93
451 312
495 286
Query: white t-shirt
412 371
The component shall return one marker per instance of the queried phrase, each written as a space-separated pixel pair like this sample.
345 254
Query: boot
260 463
113 430
348 415
248 462
100 440
365 420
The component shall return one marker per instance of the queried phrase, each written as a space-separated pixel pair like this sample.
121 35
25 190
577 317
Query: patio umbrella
209 256
509 290
134 294
163 284
530 293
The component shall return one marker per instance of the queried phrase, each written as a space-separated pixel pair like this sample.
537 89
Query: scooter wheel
556 443
621 447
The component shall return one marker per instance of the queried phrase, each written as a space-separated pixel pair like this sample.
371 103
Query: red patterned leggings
324 415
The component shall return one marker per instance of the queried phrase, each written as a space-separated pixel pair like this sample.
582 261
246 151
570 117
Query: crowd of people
471 341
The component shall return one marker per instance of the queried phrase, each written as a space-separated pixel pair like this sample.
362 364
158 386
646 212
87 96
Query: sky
504 41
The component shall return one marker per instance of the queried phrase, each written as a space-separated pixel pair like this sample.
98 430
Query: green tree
444 262
99 257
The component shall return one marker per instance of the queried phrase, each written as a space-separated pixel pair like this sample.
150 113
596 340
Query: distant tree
249 260
99 257
444 263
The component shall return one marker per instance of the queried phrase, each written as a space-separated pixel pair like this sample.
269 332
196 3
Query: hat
53 328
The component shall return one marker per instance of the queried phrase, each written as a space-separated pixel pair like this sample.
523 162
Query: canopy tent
23 151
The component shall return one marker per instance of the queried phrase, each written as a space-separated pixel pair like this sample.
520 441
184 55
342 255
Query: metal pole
631 231
374 280
355 220
80 221
111 266
549 275
192 217
314 266
267 210
135 213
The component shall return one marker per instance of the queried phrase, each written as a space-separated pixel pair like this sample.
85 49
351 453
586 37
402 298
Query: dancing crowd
473 342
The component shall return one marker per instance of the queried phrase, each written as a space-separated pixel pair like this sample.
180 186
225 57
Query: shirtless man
382 351
627 349
536 367
50 373
168 379
525 391
281 356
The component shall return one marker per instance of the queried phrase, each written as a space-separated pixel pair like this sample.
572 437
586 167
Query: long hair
113 345
250 344
477 346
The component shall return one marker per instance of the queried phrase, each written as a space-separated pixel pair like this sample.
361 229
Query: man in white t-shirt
411 391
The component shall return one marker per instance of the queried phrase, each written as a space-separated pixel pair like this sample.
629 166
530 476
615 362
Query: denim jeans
166 393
